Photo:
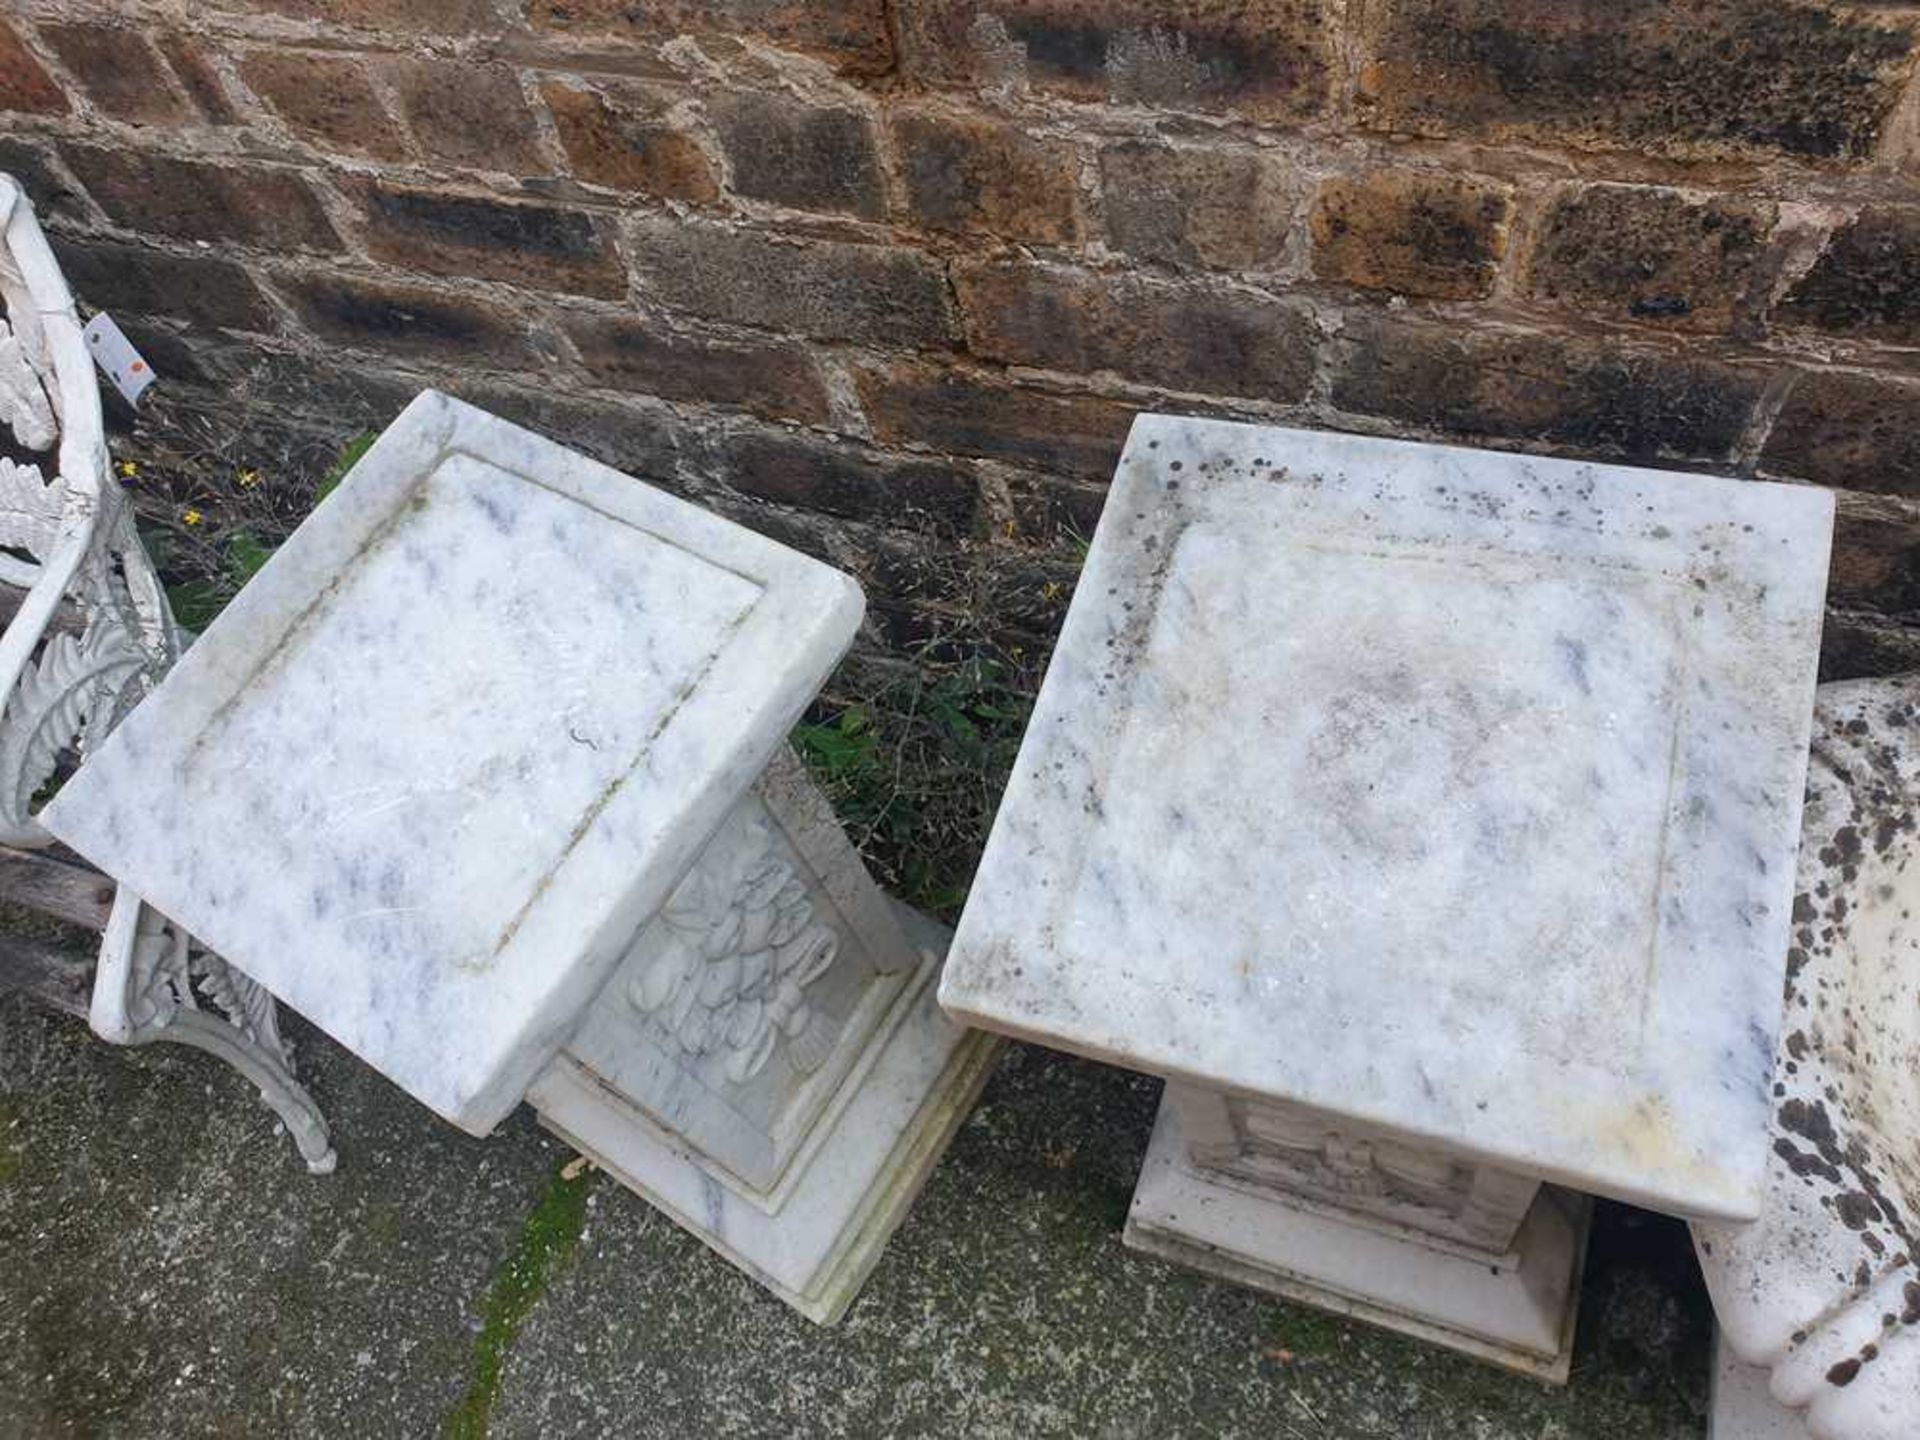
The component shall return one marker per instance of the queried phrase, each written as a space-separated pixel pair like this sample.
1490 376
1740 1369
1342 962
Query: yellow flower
247 479
128 468
190 516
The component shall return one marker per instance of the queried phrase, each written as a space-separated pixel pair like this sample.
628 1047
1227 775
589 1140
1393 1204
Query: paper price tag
117 359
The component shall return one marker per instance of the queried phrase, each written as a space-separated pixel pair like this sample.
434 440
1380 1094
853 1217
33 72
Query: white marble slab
428 773
1822 1290
1449 791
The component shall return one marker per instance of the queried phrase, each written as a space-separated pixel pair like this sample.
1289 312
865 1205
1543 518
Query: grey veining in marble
1456 793
431 769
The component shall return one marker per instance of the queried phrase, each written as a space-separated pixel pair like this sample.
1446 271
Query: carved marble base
814 1237
1743 1407
1513 1306
768 1064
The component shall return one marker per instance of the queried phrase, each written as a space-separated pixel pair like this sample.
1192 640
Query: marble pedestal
1294 1202
789 1127
1822 1292
484 773
1427 817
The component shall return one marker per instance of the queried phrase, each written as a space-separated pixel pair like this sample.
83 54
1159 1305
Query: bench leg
155 984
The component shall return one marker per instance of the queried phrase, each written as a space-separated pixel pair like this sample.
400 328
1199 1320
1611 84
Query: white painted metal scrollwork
70 540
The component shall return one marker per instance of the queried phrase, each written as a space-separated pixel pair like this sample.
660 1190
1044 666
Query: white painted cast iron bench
90 638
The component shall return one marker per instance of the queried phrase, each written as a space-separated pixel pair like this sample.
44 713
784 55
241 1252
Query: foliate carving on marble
743 945
1297 1150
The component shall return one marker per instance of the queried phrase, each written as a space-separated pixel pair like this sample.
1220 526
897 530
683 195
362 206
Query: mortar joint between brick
1899 139
1526 225
1752 443
80 102
844 409
546 132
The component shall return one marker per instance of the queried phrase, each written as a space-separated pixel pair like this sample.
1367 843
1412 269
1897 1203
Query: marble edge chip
584 906
995 935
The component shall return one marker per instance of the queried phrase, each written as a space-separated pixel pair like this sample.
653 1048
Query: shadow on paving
169 1269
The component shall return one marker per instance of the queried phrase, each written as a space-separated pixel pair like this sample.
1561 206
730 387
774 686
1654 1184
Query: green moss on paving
546 1240
1304 1332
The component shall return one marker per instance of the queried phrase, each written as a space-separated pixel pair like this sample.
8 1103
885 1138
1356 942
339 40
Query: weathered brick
25 85
200 78
852 34
1049 511
971 414
812 473
439 17
468 115
1861 646
909 592
982 176
1411 232
648 443
1582 396
52 194
174 359
1227 209
885 295
136 280
326 100
1266 59
919 600
620 137
1664 75
410 320
1876 554
123 75
793 153
1629 251
1860 432
305 388
776 380
1868 281
1180 336
462 235
195 200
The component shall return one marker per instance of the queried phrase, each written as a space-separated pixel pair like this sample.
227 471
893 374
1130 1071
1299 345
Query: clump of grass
211 514
345 461
914 759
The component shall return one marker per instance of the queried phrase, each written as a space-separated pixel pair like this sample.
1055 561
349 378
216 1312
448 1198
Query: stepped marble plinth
1427 816
1822 1291
484 774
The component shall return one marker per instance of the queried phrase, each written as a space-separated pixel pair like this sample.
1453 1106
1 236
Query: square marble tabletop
427 774
1449 791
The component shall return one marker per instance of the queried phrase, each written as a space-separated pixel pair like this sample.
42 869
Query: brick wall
889 277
